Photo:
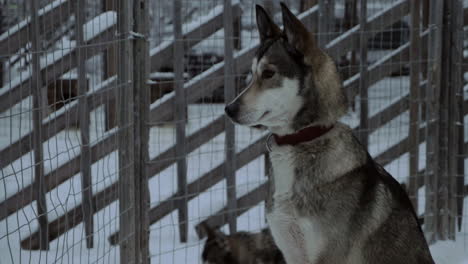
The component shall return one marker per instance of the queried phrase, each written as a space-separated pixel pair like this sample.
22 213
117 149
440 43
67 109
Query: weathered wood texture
363 134
125 134
455 119
415 63
38 110
230 136
141 104
110 62
434 168
180 119
85 162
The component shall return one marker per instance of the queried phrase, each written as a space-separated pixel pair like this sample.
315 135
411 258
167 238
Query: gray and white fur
329 201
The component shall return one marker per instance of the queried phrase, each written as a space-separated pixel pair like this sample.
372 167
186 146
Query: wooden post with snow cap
180 119
39 108
230 135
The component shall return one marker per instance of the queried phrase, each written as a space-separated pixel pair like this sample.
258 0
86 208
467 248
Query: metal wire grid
201 56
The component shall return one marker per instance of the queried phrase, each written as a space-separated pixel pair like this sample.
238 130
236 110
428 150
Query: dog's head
217 249
294 84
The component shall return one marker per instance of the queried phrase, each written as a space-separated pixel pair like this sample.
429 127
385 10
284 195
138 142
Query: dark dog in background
240 248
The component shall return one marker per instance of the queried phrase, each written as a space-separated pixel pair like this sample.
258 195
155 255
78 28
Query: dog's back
240 248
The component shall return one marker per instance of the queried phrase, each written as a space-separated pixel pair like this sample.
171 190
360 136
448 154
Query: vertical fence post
230 140
415 61
85 162
431 221
126 138
455 117
364 102
459 111
38 110
180 115
141 96
326 22
110 64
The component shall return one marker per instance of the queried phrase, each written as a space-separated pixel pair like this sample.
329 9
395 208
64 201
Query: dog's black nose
232 109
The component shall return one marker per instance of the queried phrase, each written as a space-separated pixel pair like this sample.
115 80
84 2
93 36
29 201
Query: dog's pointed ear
211 233
266 27
296 33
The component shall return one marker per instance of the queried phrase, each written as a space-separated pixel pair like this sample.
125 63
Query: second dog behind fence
240 248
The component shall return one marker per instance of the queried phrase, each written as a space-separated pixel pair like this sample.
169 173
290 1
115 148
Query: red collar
303 135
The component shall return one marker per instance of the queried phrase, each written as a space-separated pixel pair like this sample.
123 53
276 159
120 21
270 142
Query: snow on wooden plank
52 15
58 64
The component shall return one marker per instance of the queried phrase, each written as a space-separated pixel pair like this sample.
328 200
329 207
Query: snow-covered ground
164 246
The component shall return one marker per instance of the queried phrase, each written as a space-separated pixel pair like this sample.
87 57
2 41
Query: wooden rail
52 15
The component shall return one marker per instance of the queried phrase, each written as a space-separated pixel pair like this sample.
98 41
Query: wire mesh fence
114 146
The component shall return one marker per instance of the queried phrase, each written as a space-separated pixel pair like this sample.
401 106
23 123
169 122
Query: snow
99 24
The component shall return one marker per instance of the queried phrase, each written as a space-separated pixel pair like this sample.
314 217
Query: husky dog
329 201
240 248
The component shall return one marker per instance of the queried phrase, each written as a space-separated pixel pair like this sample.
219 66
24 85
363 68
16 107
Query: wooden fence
435 104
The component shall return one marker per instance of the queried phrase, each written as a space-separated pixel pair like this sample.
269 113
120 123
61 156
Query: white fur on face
270 106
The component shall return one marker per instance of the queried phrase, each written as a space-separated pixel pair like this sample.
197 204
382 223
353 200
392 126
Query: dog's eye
267 74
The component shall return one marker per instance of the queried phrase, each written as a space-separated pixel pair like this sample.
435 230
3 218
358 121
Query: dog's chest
283 173
298 237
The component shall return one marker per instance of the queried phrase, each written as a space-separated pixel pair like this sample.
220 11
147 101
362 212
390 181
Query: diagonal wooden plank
52 15
65 60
